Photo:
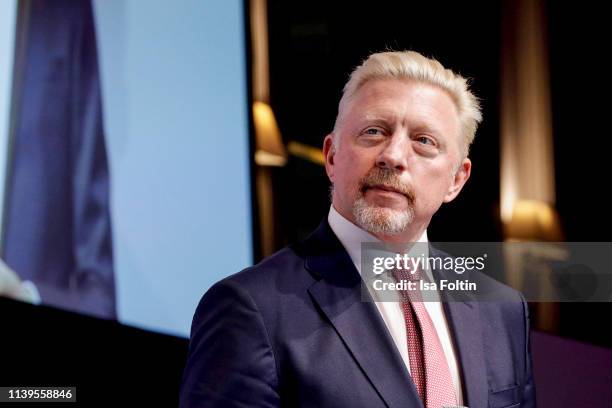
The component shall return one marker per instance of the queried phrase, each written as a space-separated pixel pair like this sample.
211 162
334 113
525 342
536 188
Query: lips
386 188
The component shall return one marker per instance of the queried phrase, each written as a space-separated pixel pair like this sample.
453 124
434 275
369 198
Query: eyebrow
379 116
390 117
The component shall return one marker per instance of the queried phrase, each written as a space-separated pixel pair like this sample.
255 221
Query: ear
461 176
329 152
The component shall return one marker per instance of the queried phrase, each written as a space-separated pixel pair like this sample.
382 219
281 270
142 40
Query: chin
382 220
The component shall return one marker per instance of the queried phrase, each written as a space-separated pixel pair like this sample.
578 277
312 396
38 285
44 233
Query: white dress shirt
351 238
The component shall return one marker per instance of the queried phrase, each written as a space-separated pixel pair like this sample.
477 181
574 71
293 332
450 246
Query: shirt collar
351 237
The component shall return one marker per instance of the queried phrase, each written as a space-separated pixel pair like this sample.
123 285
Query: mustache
388 178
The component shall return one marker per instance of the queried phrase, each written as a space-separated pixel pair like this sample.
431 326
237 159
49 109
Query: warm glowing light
306 152
270 150
533 220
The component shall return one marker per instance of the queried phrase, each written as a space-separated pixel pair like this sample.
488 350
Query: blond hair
414 66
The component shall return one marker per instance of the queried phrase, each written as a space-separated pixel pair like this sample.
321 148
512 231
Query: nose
394 155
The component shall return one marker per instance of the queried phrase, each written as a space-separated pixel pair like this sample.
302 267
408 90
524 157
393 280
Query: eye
372 131
425 140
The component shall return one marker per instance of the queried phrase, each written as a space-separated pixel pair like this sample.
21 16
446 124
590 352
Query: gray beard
380 220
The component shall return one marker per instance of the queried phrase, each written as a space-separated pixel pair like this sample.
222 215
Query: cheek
350 168
348 185
347 180
433 186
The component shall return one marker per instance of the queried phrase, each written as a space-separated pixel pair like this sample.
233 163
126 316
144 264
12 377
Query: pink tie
428 366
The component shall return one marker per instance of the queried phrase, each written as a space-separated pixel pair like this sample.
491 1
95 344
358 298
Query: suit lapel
357 322
463 318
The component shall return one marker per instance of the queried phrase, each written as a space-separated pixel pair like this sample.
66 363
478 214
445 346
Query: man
293 330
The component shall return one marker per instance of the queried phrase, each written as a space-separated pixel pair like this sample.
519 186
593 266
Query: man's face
398 157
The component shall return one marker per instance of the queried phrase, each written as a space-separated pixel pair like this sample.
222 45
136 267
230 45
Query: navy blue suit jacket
293 331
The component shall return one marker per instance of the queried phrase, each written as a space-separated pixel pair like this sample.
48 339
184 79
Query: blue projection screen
174 92
8 11
124 155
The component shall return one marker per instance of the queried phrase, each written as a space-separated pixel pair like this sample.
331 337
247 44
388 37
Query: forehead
402 97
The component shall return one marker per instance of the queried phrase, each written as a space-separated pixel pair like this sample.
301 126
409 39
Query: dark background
313 47
580 93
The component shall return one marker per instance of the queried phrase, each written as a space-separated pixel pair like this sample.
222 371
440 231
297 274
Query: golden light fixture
306 152
533 220
269 150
